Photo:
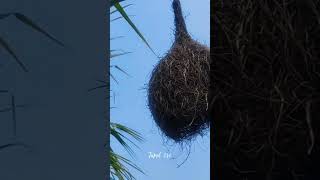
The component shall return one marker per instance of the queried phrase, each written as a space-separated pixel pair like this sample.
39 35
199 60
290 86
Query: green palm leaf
118 168
117 5
113 2
122 134
116 10
118 164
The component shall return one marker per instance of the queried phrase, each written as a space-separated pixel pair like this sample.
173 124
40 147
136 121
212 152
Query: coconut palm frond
129 131
120 9
122 133
118 164
112 2
124 7
117 168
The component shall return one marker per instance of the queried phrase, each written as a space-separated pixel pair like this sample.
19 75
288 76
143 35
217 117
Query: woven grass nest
178 93
266 74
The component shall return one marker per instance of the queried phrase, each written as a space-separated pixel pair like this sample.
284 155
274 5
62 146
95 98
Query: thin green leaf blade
126 17
124 7
112 2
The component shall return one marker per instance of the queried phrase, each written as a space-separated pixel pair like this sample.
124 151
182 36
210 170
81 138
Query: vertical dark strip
66 128
14 120
211 129
107 146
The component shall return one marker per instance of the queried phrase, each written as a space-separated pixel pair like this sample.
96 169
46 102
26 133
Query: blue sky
154 18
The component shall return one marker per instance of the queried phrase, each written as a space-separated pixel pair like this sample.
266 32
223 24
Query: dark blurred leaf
24 19
16 144
117 18
6 46
118 54
117 67
114 19
98 87
2 16
113 78
117 37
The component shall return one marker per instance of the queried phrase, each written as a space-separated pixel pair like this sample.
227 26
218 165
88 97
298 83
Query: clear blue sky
154 18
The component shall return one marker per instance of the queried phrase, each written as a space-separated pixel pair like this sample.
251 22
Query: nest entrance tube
179 85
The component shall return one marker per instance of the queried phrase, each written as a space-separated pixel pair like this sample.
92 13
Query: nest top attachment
180 25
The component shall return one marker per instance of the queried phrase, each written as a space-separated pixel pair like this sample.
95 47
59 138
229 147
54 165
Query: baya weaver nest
178 93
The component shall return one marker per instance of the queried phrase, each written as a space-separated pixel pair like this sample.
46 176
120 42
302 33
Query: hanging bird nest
266 72
178 93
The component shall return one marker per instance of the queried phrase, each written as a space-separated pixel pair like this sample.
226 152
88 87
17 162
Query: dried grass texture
266 75
178 93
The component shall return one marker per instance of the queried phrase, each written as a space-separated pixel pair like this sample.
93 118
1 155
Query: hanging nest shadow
266 74
178 89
